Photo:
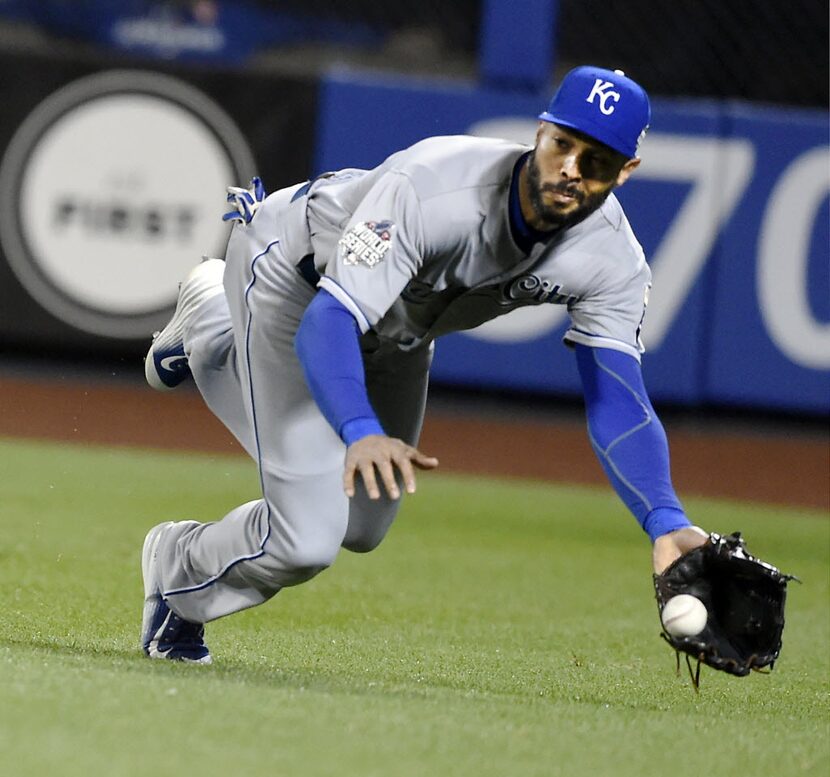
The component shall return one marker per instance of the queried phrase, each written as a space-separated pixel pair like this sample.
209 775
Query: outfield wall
112 181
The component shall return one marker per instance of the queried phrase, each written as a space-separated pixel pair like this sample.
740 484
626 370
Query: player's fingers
367 472
348 479
387 473
404 464
422 461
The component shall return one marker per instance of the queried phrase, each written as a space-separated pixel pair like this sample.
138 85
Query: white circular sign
118 181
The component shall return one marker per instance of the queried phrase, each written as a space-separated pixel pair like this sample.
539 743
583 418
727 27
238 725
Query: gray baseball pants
240 347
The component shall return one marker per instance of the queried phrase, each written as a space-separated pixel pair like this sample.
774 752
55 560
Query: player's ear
625 171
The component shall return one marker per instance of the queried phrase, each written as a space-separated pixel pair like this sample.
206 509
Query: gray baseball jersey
415 248
421 246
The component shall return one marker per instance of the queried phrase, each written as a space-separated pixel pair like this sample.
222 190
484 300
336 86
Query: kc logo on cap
604 104
602 89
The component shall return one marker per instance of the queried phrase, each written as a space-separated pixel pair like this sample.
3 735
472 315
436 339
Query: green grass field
502 629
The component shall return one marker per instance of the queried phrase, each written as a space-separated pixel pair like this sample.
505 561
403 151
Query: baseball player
312 342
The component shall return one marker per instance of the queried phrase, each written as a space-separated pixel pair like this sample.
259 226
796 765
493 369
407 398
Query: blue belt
309 272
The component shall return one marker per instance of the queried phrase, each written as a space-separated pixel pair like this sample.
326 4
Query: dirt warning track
763 467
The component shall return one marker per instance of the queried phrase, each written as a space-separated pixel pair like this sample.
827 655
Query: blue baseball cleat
163 633
165 365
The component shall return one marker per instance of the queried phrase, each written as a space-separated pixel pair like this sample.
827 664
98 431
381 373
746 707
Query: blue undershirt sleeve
328 348
629 439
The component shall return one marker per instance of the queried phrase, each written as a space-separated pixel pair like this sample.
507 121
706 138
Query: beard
586 203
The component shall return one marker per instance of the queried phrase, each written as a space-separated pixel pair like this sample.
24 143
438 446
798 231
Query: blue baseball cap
605 104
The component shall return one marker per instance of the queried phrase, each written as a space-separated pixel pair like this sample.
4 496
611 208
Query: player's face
569 175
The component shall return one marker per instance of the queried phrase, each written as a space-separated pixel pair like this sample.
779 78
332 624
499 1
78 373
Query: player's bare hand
379 455
673 545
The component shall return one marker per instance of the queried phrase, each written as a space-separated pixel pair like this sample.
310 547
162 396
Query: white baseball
684 616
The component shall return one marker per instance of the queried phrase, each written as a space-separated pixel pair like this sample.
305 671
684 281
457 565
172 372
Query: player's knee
361 545
369 521
364 541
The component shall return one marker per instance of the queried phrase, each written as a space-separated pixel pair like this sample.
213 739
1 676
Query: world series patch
366 242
